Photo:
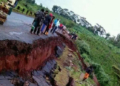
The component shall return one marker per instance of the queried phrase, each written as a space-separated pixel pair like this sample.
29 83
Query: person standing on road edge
39 17
42 20
56 26
55 22
46 23
49 26
36 21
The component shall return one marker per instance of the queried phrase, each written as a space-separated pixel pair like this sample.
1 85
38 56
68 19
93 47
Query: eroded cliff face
22 57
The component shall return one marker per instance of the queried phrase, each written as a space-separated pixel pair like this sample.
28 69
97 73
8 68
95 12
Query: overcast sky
103 12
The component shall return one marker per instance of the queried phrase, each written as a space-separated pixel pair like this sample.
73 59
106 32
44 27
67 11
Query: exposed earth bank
24 58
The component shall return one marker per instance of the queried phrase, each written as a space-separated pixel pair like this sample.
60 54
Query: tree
54 8
103 31
118 38
107 35
41 5
91 29
112 40
99 30
118 44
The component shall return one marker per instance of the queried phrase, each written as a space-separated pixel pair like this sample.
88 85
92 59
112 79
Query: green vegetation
101 54
3 0
115 40
94 49
67 70
27 5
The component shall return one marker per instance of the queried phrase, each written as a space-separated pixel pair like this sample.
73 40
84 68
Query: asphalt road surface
17 27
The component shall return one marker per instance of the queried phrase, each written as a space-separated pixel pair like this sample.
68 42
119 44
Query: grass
70 71
101 51
62 77
3 0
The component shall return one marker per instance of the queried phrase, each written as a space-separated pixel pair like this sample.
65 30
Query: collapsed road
20 49
21 53
17 27
24 55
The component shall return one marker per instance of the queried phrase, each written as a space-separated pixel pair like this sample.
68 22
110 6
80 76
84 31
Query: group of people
44 23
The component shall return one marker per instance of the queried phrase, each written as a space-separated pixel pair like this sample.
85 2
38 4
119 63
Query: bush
83 47
116 70
110 46
70 24
101 75
84 55
91 29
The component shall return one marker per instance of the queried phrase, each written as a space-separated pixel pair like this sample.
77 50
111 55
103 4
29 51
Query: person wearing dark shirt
74 36
37 20
89 70
46 13
46 22
50 24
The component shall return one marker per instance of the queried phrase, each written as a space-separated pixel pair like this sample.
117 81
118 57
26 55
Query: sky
104 12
